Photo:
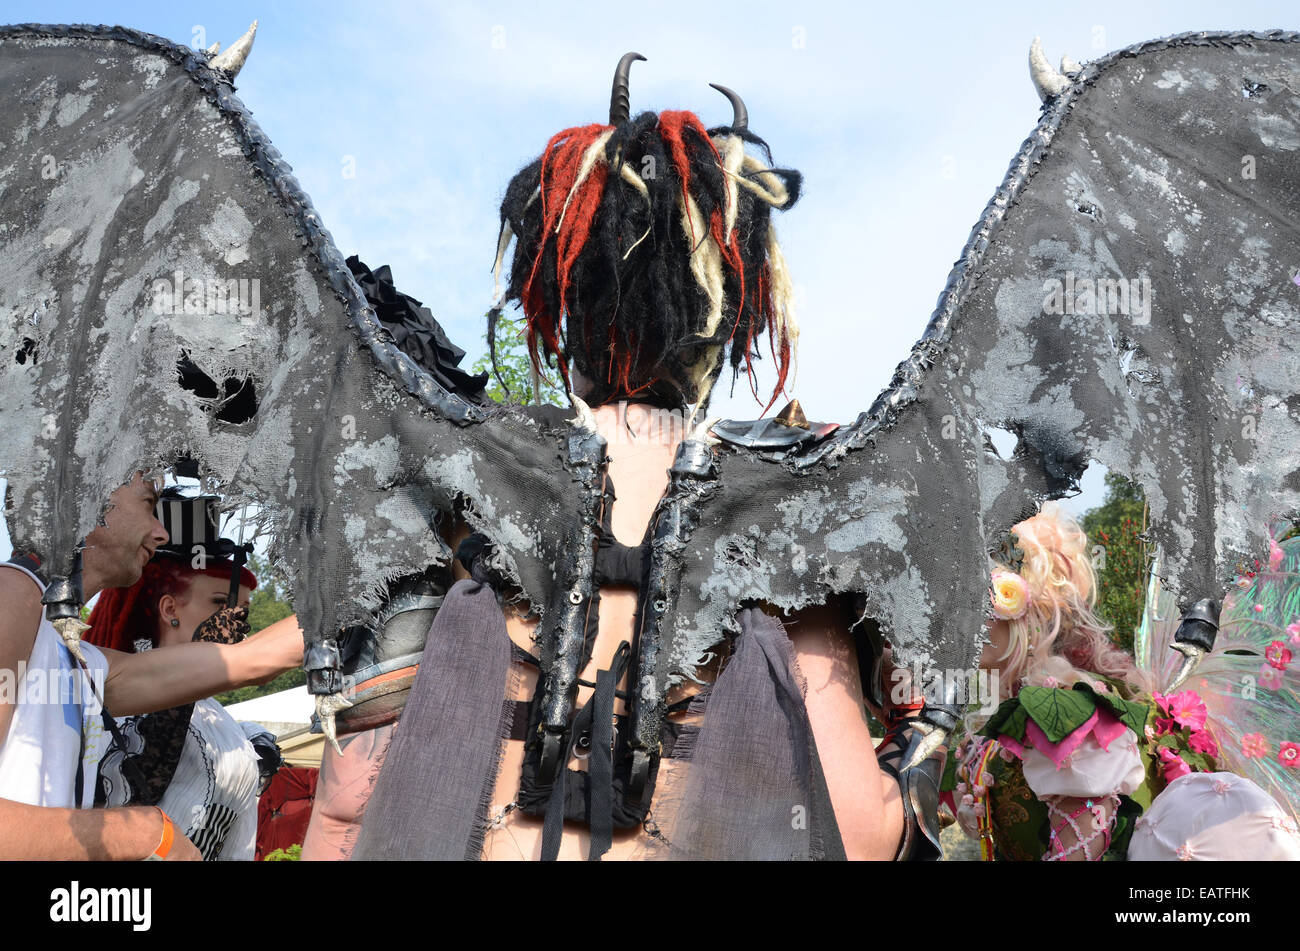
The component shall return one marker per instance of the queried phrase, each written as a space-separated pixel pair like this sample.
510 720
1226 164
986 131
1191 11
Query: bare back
867 808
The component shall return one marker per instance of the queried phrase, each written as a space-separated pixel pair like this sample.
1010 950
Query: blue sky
903 120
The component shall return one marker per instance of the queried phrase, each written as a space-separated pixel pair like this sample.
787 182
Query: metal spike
232 60
793 416
1047 81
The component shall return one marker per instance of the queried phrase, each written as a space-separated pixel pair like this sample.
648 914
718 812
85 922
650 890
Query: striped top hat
192 528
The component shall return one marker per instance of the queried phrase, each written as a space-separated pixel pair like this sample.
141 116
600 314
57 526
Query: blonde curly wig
1059 634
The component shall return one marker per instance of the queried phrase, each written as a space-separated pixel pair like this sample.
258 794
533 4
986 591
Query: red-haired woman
193 761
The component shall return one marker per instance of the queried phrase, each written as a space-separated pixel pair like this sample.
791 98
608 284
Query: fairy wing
1251 681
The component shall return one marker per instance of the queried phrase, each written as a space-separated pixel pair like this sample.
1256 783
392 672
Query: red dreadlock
121 615
561 164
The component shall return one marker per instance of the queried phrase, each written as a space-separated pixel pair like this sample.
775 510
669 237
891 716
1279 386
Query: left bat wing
1126 297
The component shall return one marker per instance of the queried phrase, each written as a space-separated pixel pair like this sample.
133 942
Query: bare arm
170 676
867 805
42 832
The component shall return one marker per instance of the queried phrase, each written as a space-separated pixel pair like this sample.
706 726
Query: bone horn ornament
326 707
232 60
63 600
934 725
321 661
619 102
1047 81
1194 639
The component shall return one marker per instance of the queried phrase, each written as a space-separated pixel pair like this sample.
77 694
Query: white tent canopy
282 713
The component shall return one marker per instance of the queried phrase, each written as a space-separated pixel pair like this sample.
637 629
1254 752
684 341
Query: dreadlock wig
645 254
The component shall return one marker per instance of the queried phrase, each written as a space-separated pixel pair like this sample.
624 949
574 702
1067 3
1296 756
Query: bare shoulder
15 583
20 617
20 611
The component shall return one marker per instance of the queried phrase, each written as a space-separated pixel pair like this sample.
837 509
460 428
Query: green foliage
292 854
286 681
265 608
272 585
269 603
514 367
1117 526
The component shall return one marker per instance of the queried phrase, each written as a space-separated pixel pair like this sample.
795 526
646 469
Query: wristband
168 837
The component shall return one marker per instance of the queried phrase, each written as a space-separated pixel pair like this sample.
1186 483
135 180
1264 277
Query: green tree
1116 528
269 603
514 367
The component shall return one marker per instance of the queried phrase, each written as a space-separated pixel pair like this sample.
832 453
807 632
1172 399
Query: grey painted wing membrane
157 176
1134 173
355 468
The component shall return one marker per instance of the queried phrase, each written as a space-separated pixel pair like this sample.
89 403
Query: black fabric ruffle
416 332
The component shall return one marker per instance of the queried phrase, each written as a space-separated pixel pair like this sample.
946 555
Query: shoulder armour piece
785 431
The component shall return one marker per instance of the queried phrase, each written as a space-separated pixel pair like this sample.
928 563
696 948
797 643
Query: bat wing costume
1127 297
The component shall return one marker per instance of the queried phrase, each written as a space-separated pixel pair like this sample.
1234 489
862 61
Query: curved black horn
740 115
619 107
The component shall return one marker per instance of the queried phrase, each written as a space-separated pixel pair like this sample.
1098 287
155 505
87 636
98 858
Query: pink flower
1202 742
1173 764
1270 678
1253 745
1050 681
1278 655
1165 726
1289 755
1275 555
1185 708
